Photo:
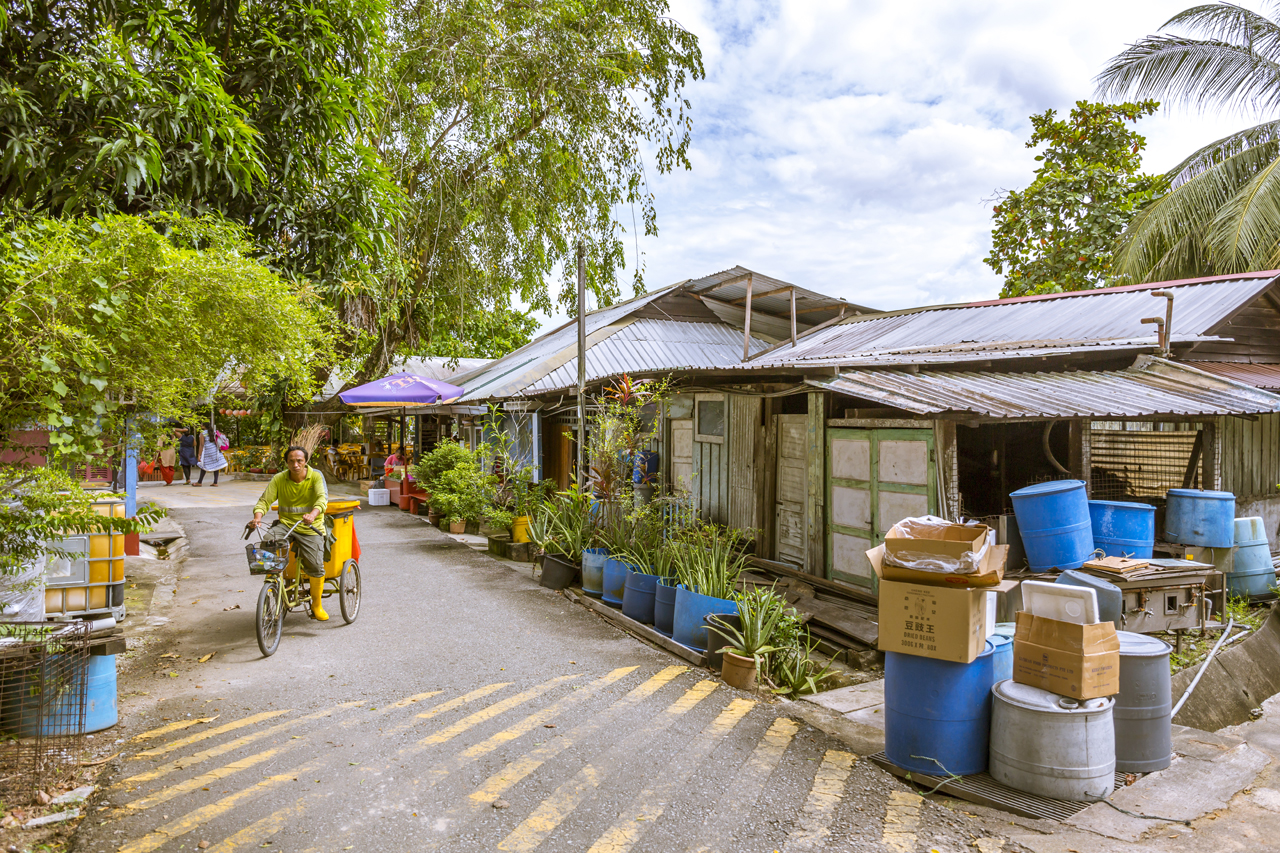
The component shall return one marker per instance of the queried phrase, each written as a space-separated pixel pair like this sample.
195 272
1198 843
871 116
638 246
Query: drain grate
985 791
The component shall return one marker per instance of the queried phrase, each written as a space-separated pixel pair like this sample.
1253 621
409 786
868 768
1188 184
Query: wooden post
793 316
582 361
746 326
815 562
768 480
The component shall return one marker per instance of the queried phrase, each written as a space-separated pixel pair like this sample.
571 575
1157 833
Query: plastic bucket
1252 572
1198 517
520 529
593 560
664 606
638 596
557 572
615 581
1053 519
689 629
1123 529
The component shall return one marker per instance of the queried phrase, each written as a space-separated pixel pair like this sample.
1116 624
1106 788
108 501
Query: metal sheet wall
1250 456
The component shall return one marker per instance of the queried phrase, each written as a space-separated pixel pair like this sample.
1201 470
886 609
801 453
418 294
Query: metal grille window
1143 460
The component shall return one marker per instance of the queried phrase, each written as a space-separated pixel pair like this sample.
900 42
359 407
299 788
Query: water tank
1123 529
1047 744
1198 517
1053 519
1144 706
1252 572
938 713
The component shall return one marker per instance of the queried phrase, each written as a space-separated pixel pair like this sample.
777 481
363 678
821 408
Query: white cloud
852 146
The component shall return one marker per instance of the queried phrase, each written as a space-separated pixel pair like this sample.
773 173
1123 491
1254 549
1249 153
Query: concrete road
466 709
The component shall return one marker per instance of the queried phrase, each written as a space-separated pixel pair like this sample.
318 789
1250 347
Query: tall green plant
563 526
709 559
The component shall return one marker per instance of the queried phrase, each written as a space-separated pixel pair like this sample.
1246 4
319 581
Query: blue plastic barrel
21 710
1252 572
938 713
664 606
1197 517
1053 519
1123 529
615 581
1002 660
645 469
638 597
689 629
1110 598
100 709
593 571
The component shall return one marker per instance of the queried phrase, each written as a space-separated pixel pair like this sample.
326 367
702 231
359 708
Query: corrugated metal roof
649 345
811 307
1151 386
1257 375
1026 324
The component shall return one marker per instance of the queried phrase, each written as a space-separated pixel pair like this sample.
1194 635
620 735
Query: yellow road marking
205 735
651 802
517 770
901 818
254 833
740 798
172 727
555 808
410 700
450 732
193 820
229 746
523 727
204 779
464 699
814 823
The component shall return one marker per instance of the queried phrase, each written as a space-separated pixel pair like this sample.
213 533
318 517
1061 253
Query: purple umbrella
402 389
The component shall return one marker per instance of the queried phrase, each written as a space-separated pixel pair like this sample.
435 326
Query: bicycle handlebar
249 528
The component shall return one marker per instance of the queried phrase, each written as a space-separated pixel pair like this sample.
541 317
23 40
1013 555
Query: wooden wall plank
816 486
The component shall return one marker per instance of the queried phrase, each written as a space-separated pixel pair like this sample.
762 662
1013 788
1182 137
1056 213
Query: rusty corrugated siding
1257 375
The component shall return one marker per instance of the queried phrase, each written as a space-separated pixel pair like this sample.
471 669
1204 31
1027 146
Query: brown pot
738 671
458 526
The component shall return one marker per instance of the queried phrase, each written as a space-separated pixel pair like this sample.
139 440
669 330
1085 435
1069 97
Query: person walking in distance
209 453
186 452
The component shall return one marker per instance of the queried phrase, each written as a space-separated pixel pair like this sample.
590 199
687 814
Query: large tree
1222 214
1058 233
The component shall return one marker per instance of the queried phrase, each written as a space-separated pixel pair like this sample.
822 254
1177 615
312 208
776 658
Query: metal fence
42 704
1132 461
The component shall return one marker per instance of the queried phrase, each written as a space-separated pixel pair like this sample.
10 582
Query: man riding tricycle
298 543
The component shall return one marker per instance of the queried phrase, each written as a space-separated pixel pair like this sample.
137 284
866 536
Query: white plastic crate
379 497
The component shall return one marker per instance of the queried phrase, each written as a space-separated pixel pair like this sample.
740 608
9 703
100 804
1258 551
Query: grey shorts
310 549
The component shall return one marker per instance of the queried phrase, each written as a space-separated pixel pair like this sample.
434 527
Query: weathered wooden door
681 453
744 428
789 542
875 478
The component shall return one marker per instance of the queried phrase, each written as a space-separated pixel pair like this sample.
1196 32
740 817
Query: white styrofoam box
379 497
1076 604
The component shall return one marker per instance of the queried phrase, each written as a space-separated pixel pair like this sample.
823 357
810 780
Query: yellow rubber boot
317 589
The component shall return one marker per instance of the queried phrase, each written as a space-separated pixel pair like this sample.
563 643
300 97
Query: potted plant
460 495
759 613
616 533
649 561
562 528
709 559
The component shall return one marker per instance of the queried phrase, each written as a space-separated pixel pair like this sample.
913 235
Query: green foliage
40 505
563 525
622 424
263 112
710 558
1222 215
515 131
445 456
462 493
1059 233
153 310
759 612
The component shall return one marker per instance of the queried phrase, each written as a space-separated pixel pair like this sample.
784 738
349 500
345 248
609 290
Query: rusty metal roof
1257 375
1027 326
1151 386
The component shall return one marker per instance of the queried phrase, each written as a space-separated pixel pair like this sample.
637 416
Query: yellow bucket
520 529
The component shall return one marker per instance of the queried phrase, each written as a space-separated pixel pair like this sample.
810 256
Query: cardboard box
956 544
940 622
1079 661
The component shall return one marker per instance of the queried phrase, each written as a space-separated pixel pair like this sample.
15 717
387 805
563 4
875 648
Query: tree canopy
103 316
1059 233
1222 213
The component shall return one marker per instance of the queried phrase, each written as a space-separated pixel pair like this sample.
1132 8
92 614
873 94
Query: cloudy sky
854 146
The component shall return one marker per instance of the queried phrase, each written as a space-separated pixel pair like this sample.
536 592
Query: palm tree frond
1244 229
1261 139
1230 23
1189 72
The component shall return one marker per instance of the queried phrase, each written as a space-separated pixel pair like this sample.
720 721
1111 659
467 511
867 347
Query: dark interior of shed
1000 458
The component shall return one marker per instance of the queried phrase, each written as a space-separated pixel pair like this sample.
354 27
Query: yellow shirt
296 499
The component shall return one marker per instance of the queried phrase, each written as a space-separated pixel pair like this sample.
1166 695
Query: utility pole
582 361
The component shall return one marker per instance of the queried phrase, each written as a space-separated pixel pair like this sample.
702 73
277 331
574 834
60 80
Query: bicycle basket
267 556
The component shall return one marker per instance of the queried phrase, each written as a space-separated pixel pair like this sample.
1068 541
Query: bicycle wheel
270 619
349 591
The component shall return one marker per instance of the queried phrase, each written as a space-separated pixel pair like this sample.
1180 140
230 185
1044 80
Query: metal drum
1046 744
938 713
1252 572
1123 529
1144 706
1198 517
1053 519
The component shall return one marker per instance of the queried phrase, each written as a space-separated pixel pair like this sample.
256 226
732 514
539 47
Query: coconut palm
1222 213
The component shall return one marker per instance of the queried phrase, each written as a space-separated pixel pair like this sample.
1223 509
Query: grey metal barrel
1144 740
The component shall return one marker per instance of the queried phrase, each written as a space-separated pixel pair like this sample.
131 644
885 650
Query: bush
444 457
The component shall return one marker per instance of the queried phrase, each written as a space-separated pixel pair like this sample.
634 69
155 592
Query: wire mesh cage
1140 461
43 685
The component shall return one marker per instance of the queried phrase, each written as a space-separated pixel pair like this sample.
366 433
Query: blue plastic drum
1123 529
1197 517
1053 519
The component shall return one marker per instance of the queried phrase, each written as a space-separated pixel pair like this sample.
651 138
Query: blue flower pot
689 628
638 597
615 581
593 571
664 606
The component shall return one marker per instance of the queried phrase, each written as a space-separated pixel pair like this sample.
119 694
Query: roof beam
790 288
728 281
792 341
